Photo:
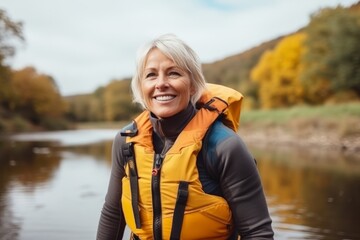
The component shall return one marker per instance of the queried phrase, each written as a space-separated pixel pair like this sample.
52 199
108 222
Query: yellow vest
206 216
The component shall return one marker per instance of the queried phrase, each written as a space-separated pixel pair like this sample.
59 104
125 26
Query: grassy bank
330 125
280 116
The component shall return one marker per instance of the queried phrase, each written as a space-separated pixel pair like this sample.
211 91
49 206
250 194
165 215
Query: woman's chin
165 113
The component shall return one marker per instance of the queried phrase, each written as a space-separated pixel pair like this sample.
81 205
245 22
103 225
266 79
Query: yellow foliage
118 101
36 94
278 71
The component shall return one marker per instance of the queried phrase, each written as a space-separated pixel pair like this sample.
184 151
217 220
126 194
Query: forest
318 64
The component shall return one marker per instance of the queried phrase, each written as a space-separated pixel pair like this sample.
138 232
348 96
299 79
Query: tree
332 59
9 30
277 73
118 101
85 107
36 96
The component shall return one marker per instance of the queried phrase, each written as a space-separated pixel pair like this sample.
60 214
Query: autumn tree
332 59
9 31
277 73
86 107
118 101
36 96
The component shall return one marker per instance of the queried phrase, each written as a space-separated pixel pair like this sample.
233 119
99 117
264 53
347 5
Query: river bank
335 127
340 136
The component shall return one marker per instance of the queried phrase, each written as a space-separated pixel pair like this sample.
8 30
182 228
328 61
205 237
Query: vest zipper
157 164
156 200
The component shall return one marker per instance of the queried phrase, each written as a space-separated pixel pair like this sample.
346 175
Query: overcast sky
85 44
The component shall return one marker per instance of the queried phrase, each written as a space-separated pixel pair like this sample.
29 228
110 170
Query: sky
84 44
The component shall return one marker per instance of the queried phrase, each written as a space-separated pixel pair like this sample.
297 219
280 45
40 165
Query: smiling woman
181 59
165 86
181 161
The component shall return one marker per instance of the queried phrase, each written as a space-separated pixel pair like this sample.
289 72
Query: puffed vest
162 196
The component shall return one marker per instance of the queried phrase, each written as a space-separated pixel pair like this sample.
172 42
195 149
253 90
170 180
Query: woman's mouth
164 97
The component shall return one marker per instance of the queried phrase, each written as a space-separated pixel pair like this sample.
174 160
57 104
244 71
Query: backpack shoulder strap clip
129 130
212 106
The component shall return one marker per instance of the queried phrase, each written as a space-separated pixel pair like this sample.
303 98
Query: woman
178 171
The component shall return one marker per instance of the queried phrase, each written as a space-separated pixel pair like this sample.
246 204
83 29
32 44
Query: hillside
234 70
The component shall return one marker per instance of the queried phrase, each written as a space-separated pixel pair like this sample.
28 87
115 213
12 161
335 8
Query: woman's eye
149 75
173 73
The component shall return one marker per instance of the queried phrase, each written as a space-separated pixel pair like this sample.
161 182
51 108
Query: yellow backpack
231 97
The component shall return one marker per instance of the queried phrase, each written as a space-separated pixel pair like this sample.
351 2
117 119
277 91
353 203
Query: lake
53 184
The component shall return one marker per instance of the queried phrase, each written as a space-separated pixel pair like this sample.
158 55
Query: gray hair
181 54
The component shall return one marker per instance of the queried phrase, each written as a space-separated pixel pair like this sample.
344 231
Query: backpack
232 98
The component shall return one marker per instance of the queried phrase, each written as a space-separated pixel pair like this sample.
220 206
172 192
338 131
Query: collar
172 126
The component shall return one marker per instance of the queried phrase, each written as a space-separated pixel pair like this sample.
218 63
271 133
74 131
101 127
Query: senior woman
179 170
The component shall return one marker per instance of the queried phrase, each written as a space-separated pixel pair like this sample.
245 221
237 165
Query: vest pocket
216 223
219 213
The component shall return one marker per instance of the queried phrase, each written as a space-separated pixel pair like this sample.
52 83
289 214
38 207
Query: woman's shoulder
219 132
120 137
223 142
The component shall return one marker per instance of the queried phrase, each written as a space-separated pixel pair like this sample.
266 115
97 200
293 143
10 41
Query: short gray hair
182 55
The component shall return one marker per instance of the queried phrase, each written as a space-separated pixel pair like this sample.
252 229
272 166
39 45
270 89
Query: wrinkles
249 186
111 223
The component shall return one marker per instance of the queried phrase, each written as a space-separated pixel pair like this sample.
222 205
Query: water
312 193
52 186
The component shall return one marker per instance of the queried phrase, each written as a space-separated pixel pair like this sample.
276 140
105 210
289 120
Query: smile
164 97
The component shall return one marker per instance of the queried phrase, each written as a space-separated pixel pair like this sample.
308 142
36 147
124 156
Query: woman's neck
172 126
166 130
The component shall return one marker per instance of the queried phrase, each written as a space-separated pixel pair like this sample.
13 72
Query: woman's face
166 87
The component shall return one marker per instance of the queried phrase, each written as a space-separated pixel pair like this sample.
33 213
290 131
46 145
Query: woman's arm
241 186
112 222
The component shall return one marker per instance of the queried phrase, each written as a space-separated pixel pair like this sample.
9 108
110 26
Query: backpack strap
183 192
230 97
129 155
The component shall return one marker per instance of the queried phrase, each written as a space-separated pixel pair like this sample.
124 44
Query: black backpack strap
183 192
129 155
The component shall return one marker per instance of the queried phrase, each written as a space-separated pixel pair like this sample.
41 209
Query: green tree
332 59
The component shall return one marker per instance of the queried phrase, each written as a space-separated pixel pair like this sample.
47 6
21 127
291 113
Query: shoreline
308 138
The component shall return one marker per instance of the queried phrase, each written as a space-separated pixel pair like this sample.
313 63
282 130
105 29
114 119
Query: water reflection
55 189
312 194
50 190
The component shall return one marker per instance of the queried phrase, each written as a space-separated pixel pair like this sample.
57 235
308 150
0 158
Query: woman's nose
162 81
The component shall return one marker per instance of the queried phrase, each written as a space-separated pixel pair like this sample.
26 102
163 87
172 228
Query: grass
342 120
285 115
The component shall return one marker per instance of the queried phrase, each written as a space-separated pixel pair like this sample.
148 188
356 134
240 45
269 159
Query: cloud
85 44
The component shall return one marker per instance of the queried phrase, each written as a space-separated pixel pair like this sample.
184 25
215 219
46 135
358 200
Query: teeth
164 98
